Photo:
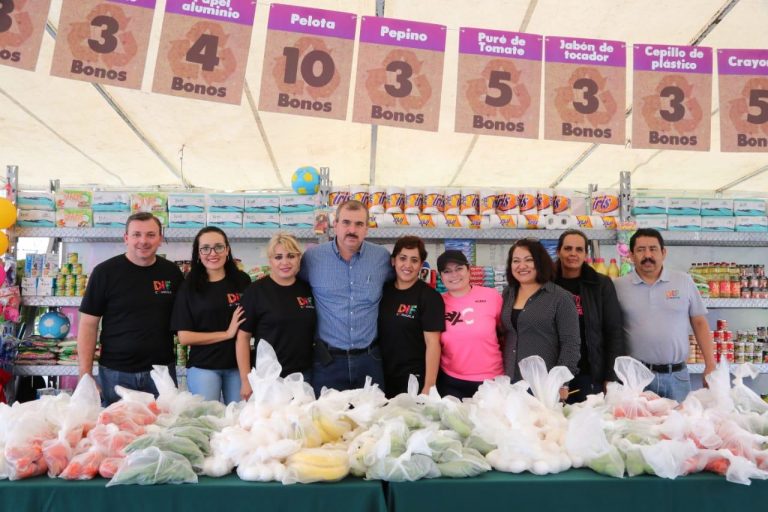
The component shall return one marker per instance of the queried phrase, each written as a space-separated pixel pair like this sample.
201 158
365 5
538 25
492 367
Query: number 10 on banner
203 55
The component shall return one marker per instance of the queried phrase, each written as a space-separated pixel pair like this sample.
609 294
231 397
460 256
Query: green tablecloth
227 494
576 490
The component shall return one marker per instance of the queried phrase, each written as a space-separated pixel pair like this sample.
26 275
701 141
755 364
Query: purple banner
411 34
233 11
312 21
574 50
680 59
148 4
742 62
496 43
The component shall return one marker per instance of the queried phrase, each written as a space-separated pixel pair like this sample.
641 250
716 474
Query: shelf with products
170 234
736 303
600 235
718 239
699 367
59 370
34 300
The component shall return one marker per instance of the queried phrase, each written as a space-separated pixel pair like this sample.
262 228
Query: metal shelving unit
170 234
58 370
50 301
736 303
699 367
600 235
722 239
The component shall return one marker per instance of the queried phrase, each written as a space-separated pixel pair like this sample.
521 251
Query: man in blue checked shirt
347 275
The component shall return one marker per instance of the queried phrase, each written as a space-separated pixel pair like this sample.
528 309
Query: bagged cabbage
197 435
405 468
151 466
169 443
469 463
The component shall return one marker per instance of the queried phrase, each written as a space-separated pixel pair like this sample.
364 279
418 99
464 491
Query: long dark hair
545 268
198 275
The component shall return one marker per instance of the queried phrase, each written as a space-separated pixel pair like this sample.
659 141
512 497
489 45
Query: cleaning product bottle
626 267
600 266
613 269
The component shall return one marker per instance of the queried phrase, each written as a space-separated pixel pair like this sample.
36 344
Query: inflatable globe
306 180
53 325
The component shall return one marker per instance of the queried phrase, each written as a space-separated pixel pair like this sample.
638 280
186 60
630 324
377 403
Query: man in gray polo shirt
659 305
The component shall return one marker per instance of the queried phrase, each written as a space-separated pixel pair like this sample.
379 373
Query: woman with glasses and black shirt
207 315
538 317
279 309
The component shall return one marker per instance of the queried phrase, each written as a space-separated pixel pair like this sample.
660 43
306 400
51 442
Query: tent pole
375 128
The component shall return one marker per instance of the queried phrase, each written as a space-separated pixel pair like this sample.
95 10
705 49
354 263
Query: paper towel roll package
470 201
395 200
452 201
338 195
605 203
414 199
425 220
562 202
526 200
506 203
487 201
544 201
434 200
360 193
377 198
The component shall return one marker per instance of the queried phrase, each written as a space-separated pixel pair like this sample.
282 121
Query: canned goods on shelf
72 257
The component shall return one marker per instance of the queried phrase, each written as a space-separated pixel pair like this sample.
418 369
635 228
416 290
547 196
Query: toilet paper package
360 193
684 222
589 222
389 220
610 222
749 207
562 202
186 220
474 221
526 200
487 201
337 196
560 222
261 220
530 221
35 201
377 199
452 201
718 223
500 220
716 207
414 199
104 201
221 203
225 219
295 203
684 206
257 203
455 221
751 223
297 220
652 221
470 201
395 200
506 203
544 197
649 205
434 200
605 203
425 220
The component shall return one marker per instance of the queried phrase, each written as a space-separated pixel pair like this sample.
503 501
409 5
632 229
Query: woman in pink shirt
470 345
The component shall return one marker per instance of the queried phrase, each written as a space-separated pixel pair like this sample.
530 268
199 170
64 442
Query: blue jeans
139 381
210 384
347 372
675 385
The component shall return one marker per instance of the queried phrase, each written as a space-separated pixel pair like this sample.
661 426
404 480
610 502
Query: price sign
103 41
585 90
672 97
204 49
22 23
743 81
399 73
499 82
308 61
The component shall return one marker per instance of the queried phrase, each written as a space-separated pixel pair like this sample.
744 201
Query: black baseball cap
451 256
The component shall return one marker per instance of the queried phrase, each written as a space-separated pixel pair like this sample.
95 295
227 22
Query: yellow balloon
7 214
3 243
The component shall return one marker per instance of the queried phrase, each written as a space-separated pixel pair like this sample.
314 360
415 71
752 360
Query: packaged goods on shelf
526 201
652 221
595 222
35 201
261 220
462 221
466 246
74 218
730 280
262 203
749 207
388 220
562 202
293 203
414 199
684 223
544 198
395 200
360 193
187 220
716 207
559 221
684 206
425 220
225 203
36 219
487 201
452 201
298 219
71 198
751 224
651 205
718 223
529 221
186 203
605 203
149 202
506 203
500 221
108 201
377 199
109 219
470 201
225 219
434 201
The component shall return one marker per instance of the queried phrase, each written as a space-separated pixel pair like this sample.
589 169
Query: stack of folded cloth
36 350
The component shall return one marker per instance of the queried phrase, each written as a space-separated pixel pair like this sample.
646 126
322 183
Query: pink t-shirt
470 347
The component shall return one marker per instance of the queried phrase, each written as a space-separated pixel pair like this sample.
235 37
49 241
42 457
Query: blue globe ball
306 180
53 324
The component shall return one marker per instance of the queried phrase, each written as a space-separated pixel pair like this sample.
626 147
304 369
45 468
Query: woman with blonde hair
279 309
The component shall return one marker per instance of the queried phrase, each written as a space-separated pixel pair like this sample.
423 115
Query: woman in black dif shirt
207 314
279 309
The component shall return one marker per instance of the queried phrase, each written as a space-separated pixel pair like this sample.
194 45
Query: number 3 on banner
404 73
6 8
327 67
108 42
589 91
205 52
676 97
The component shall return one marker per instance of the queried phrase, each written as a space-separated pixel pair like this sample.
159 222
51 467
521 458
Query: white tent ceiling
57 128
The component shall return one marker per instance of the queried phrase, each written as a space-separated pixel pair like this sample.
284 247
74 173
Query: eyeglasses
218 249
290 256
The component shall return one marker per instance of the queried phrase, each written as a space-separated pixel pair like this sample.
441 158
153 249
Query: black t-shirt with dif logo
209 310
573 285
284 316
135 305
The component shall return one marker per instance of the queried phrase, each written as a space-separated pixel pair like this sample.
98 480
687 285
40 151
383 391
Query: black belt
665 368
349 352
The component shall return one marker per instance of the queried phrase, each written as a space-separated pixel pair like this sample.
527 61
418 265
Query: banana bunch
330 429
316 465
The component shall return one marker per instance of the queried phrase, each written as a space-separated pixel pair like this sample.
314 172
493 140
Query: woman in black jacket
600 323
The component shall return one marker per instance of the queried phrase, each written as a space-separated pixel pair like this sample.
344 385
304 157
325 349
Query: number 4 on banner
203 55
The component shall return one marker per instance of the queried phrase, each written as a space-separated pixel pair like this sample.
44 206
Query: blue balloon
53 324
306 180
